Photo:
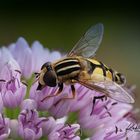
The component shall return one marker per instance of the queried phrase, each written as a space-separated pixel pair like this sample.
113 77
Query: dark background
59 25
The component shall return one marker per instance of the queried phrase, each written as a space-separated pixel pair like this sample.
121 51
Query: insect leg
94 101
107 111
73 93
67 98
60 85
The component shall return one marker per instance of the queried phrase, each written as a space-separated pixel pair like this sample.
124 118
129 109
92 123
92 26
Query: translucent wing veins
89 43
109 88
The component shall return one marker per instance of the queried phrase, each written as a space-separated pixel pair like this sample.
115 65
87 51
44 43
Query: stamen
68 124
109 114
1 128
61 128
44 120
64 132
18 71
3 119
107 111
114 103
105 107
2 80
116 131
44 99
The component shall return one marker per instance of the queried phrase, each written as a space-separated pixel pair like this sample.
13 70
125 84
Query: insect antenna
36 74
37 77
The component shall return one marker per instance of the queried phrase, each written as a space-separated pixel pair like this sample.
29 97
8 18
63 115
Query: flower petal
14 129
40 55
23 54
28 104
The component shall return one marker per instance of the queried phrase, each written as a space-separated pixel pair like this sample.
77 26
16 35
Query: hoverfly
80 66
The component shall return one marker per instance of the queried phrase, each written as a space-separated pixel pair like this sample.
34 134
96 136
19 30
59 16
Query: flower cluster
25 115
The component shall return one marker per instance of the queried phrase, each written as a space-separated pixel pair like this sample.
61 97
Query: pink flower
31 59
4 128
30 125
41 55
108 120
23 55
11 89
38 96
63 132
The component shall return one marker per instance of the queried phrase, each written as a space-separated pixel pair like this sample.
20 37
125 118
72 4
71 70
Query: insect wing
110 88
116 92
89 43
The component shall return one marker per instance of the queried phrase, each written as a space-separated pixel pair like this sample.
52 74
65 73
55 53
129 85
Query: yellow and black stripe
67 66
97 67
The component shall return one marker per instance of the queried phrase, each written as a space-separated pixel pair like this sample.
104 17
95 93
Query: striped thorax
67 69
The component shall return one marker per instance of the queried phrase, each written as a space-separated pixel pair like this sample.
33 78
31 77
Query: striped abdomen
68 67
97 67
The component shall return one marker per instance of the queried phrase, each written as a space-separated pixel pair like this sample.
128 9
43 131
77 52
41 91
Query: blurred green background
60 25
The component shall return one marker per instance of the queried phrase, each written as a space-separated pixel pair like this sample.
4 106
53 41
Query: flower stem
12 113
72 117
44 114
44 138
29 83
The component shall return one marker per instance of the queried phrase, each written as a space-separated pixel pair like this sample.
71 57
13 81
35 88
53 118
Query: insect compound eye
46 65
50 78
